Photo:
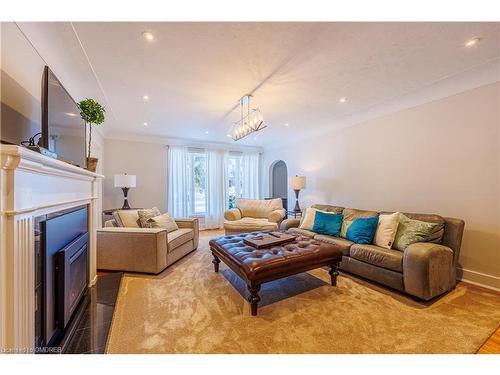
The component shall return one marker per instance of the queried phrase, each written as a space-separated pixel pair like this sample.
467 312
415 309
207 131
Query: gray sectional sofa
424 270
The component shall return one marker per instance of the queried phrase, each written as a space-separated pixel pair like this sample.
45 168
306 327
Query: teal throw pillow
327 223
362 230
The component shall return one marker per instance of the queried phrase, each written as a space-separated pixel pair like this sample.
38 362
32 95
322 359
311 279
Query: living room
207 185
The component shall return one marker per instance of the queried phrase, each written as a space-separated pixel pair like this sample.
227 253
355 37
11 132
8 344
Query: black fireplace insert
62 271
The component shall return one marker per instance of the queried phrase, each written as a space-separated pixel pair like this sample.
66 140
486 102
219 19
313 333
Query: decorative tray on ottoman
263 240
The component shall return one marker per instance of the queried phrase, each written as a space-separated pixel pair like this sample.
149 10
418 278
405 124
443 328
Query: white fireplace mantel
32 185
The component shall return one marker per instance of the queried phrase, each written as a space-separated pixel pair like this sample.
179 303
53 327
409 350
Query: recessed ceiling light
472 42
145 97
148 35
206 132
254 138
343 100
286 124
145 124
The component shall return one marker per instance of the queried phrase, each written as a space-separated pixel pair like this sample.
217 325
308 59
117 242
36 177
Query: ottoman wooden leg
216 262
254 298
334 272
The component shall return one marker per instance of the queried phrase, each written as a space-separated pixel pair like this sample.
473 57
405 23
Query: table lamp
297 183
125 182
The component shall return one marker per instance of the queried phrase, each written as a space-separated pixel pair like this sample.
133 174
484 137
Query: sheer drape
179 182
216 189
250 175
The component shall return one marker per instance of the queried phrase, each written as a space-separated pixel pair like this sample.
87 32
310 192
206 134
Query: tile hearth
92 331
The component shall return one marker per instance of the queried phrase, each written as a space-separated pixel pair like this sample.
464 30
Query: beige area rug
190 309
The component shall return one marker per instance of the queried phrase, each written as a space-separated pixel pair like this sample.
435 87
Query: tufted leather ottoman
258 266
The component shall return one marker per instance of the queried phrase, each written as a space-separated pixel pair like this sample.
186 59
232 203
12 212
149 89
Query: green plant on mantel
93 114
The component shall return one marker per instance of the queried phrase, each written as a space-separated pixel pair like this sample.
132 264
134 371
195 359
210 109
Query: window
235 182
198 165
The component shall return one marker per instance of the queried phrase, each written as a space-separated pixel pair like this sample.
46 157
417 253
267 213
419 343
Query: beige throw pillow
145 215
127 218
386 230
163 221
308 221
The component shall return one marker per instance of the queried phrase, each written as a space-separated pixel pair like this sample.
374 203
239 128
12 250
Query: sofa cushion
386 230
258 208
345 226
146 214
352 213
327 223
411 231
301 232
179 237
378 256
250 224
164 221
344 244
127 218
328 208
362 230
436 236
307 219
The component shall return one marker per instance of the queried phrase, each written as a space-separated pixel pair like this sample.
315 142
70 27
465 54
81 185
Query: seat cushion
179 237
344 244
301 232
250 224
378 256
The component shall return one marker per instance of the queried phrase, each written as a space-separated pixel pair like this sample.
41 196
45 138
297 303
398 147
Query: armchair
147 250
251 215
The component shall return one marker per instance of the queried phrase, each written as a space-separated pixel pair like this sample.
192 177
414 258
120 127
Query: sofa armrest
193 223
132 249
232 214
428 270
290 223
276 216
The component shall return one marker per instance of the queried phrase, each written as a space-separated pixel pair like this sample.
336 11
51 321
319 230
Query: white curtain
179 182
250 177
216 196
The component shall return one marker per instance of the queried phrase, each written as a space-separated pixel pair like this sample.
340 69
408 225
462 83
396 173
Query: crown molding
171 141
480 75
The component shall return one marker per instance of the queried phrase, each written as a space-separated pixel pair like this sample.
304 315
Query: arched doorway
278 177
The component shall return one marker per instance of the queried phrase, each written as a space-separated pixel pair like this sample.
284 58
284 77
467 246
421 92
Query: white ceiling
194 73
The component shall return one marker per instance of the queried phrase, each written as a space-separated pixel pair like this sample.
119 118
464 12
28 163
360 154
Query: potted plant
92 113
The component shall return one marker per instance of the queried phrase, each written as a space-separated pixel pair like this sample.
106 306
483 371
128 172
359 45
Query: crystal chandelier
250 121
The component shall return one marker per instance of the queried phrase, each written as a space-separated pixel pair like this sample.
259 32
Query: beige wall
440 157
148 161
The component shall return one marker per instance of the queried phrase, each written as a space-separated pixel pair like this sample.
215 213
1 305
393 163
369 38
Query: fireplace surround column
32 185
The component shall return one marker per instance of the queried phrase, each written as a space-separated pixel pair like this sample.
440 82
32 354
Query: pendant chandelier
250 121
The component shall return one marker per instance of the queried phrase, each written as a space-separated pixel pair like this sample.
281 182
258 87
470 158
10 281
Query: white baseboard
480 279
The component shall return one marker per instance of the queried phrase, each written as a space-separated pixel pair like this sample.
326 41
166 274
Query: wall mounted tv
63 129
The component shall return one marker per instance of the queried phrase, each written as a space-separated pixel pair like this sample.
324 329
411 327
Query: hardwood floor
492 346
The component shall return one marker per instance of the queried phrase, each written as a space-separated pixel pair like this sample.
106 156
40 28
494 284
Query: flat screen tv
63 129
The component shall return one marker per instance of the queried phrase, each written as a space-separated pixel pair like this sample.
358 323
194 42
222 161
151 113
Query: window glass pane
199 183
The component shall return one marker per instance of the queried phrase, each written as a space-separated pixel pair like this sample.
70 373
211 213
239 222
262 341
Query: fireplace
62 277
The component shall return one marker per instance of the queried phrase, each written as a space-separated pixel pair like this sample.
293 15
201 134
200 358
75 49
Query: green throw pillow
411 231
345 226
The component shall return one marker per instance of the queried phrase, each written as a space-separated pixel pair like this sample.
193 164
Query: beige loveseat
424 269
148 250
252 215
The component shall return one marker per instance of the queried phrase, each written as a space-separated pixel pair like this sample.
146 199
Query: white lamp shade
125 180
298 182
